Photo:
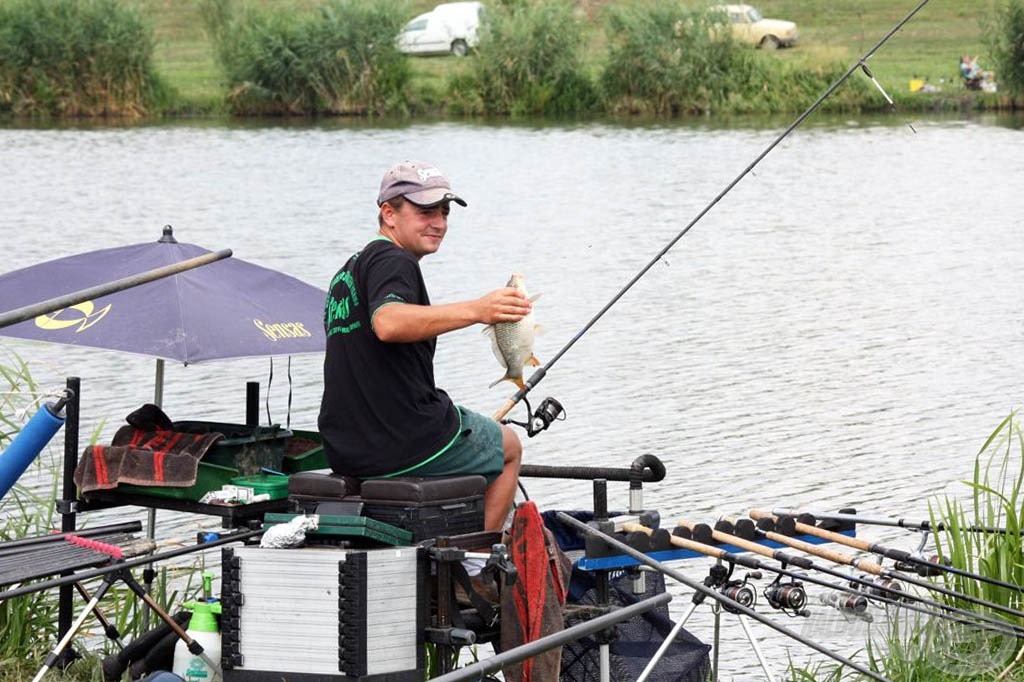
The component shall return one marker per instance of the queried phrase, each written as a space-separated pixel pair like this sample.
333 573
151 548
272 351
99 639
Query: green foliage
997 502
667 60
1005 37
528 62
75 58
341 59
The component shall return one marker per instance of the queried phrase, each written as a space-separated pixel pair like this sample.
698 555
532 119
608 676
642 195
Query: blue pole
27 445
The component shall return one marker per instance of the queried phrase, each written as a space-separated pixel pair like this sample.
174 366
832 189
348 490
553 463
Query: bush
75 58
528 63
341 59
667 60
1005 37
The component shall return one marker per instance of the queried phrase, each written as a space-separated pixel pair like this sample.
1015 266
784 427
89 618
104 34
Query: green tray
360 526
304 451
209 477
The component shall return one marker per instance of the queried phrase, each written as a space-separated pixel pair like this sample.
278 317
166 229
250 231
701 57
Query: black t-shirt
381 411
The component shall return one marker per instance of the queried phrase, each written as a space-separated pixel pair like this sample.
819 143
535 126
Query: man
382 414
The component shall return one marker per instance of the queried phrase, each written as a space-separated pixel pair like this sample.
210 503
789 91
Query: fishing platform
383 570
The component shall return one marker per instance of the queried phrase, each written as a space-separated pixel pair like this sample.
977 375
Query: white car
749 26
449 28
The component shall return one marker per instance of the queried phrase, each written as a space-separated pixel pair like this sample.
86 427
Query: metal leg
665 645
757 650
55 655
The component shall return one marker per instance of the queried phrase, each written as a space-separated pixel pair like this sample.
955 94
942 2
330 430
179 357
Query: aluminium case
323 614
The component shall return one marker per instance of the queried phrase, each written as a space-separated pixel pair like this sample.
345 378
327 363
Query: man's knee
513 447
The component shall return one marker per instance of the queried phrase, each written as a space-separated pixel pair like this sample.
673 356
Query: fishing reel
788 597
884 588
740 591
550 410
850 605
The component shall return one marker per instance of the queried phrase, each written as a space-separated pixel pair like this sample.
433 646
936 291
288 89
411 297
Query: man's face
416 229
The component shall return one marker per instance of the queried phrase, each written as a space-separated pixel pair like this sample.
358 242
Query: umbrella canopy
227 309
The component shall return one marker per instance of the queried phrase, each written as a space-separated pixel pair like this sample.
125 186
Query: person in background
382 414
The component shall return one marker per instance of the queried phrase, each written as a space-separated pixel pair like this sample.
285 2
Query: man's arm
409 323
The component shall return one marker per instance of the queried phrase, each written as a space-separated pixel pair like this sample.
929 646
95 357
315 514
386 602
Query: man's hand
503 305
409 323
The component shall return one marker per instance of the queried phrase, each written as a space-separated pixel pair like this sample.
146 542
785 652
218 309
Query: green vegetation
1005 36
587 57
341 59
71 58
932 650
529 61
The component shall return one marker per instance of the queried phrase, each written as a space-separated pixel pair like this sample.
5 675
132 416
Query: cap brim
428 198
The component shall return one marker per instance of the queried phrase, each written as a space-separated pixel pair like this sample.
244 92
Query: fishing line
539 374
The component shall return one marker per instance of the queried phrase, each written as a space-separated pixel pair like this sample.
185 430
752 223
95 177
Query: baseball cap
420 183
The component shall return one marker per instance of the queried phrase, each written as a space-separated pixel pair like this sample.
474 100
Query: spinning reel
788 597
549 410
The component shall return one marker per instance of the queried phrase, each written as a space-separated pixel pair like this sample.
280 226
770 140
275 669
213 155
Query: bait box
274 486
304 451
245 447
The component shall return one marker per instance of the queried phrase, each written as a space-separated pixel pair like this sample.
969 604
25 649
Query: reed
76 58
667 60
529 62
339 59
1005 36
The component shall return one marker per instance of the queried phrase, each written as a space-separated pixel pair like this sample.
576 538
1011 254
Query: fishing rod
877 570
875 591
852 517
861 64
725 601
805 524
126 564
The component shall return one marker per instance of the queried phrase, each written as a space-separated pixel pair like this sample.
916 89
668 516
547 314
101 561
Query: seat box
245 447
323 614
428 507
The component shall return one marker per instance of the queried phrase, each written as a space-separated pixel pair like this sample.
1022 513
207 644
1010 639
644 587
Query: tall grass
529 62
340 59
1005 37
76 58
667 60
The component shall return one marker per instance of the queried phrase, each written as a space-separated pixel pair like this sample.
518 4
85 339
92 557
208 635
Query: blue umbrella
227 309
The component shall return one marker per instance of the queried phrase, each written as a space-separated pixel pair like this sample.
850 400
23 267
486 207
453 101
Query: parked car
449 28
749 26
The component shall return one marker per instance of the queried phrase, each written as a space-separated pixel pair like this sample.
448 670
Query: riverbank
622 58
926 49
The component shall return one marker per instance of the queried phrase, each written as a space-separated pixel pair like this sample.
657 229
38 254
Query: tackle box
244 447
426 506
321 614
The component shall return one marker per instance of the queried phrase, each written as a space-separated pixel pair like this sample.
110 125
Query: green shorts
477 449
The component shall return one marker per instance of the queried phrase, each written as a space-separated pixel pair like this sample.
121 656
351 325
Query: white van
449 28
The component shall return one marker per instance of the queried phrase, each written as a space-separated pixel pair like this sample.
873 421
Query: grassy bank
838 31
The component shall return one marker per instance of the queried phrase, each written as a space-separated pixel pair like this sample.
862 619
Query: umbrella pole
149 573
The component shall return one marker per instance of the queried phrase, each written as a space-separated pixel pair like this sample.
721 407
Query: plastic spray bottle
203 629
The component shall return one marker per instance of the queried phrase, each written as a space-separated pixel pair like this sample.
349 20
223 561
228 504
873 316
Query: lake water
844 328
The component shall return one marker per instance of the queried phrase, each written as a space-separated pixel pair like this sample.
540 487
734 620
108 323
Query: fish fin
534 298
514 380
488 330
539 329
519 383
532 361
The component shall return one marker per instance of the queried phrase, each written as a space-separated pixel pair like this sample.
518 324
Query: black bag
637 640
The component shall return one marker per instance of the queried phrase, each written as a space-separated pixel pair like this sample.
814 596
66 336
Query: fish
512 342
